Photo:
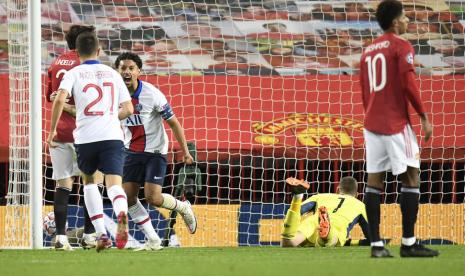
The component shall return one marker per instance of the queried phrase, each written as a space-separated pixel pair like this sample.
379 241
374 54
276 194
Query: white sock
118 197
94 204
409 241
88 236
62 239
141 217
377 244
171 203
298 196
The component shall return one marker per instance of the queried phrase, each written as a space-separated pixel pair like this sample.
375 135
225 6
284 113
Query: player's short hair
348 185
74 32
87 44
129 56
387 11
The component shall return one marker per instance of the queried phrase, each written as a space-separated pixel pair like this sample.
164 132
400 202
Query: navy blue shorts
105 156
141 167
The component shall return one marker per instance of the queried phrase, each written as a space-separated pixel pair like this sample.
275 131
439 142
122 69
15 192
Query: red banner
316 116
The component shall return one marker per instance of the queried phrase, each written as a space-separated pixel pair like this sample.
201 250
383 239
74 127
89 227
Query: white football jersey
144 130
98 90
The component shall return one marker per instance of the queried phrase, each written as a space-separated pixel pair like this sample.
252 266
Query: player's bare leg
156 198
372 201
296 241
409 202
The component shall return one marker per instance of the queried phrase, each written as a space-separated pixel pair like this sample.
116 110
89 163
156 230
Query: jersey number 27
99 90
373 64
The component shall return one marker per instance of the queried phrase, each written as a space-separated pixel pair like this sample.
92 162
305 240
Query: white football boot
62 243
89 241
189 218
150 245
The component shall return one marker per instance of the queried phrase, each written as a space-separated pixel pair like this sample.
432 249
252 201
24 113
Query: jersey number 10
376 84
99 90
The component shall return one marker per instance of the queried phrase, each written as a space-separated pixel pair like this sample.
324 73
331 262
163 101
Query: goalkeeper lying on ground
323 219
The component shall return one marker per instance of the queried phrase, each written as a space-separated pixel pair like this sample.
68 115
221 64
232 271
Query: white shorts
64 161
391 152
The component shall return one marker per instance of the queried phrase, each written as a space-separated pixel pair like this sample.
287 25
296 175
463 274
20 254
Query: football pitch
241 261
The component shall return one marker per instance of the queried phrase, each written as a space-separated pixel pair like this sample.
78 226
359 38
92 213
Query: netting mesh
265 90
17 228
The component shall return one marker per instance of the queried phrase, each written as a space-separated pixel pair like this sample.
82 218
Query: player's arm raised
57 109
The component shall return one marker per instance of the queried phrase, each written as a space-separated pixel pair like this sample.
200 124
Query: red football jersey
387 79
59 67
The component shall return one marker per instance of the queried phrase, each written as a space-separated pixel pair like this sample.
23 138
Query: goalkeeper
323 220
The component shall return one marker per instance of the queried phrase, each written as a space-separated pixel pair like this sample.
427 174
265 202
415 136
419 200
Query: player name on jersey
95 75
377 46
65 62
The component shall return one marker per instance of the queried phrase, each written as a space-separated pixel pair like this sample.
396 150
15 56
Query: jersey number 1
372 65
99 90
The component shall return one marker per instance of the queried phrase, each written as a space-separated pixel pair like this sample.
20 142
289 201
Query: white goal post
23 227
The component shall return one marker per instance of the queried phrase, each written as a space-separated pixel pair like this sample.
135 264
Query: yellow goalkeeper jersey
344 211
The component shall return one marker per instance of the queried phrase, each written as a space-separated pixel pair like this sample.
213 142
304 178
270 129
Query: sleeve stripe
307 207
167 112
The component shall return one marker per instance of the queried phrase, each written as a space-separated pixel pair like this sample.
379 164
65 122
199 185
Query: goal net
265 90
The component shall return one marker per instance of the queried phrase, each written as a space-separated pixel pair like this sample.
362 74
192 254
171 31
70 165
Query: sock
292 220
118 197
88 226
296 202
141 217
372 205
171 203
60 208
409 241
94 203
63 239
86 236
409 207
377 244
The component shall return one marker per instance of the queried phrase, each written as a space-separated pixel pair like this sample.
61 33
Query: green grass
241 261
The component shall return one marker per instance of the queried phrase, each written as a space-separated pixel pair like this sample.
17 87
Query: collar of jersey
138 90
91 61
